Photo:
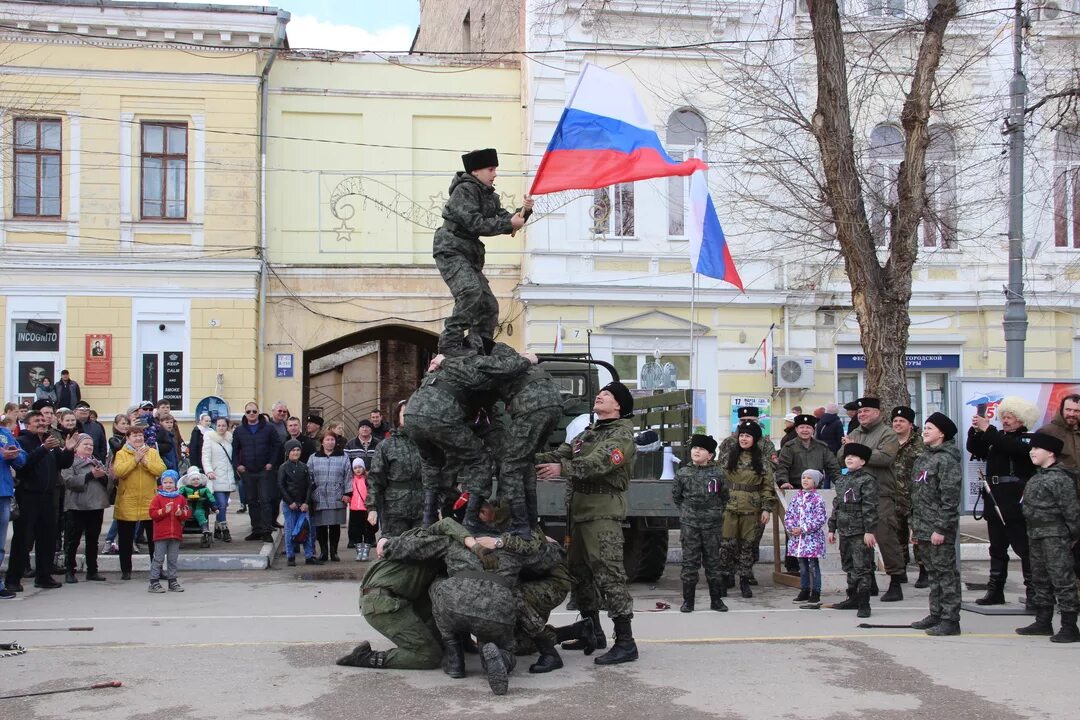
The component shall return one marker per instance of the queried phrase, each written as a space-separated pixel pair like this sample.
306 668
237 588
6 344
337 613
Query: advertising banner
98 360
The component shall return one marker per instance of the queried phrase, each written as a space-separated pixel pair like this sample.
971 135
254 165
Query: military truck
650 511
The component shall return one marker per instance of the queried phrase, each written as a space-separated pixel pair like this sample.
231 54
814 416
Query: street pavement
262 645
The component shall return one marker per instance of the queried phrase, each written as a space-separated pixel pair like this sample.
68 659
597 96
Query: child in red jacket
168 510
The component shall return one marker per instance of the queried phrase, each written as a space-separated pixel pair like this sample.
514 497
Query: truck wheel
644 551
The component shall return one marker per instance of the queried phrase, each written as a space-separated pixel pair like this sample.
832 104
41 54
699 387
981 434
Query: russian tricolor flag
709 252
603 138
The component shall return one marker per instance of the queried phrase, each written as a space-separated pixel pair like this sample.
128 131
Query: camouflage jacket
701 494
880 438
855 504
393 484
598 466
532 390
445 540
769 456
484 372
1050 505
936 484
409 580
905 458
796 457
473 209
750 493
461 385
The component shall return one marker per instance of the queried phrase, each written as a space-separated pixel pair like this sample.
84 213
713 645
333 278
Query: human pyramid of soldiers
494 576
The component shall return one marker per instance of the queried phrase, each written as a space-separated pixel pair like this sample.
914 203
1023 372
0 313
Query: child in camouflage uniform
701 494
854 518
472 211
1052 513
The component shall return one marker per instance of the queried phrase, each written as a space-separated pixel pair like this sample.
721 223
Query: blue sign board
213 405
284 365
915 362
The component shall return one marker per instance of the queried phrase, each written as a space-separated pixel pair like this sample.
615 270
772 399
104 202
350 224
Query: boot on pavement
851 603
922 581
995 594
864 605
584 635
895 593
944 628
716 596
744 587
927 622
624 649
1068 632
688 590
453 663
549 657
803 596
497 666
1041 626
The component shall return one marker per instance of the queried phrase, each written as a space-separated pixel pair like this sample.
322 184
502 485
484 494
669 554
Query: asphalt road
262 645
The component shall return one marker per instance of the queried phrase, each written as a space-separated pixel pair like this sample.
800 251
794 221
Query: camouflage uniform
769 458
394 486
472 210
751 494
598 467
534 405
936 483
1052 513
700 493
855 513
905 458
880 438
545 582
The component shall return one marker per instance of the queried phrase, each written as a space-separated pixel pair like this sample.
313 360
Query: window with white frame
939 215
1066 191
886 154
164 163
685 129
38 160
645 371
613 210
161 353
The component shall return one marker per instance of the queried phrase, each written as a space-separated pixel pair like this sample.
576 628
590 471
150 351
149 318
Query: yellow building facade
130 179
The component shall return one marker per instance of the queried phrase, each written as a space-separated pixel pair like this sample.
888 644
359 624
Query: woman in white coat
218 464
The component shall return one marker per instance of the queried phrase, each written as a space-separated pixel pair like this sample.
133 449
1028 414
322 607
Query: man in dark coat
256 451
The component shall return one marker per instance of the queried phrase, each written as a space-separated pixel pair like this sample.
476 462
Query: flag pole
693 349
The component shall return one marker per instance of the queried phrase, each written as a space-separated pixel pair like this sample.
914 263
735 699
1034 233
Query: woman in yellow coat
137 467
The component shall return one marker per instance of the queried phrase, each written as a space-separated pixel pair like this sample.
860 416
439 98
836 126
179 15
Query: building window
37 167
466 33
164 171
885 8
685 130
1066 193
646 372
939 215
886 154
613 210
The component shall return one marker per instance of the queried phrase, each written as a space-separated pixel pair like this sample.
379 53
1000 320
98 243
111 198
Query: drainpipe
264 76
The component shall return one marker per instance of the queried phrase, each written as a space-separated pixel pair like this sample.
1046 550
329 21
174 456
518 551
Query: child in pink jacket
805 523
361 532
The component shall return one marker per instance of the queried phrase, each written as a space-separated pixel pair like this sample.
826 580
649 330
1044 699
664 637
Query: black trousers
36 525
125 535
360 530
328 536
83 523
1003 536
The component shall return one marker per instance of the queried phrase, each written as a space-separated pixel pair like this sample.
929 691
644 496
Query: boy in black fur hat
701 495
854 517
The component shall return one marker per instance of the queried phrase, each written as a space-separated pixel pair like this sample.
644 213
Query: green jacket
1050 505
936 484
902 464
750 492
855 504
795 457
394 485
700 493
598 467
880 438
409 580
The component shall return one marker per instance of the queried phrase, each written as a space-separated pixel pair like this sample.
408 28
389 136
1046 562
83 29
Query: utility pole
1015 320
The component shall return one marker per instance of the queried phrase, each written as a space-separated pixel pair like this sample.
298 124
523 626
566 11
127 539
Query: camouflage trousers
596 566
887 536
535 601
857 561
409 626
700 544
903 536
450 453
944 577
1052 574
475 306
738 551
528 433
393 526
466 605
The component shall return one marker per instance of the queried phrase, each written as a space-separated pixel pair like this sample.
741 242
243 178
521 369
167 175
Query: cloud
307 31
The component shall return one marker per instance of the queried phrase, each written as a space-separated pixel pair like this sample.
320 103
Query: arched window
886 154
939 215
1067 188
685 129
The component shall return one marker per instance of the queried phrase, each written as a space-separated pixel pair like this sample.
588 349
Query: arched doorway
346 378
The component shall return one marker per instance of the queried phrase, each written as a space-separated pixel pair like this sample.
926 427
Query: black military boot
624 648
995 594
722 585
803 596
944 629
902 577
429 507
851 603
549 657
497 667
519 520
729 582
927 622
585 635
815 597
453 663
864 605
1068 633
922 581
688 590
363 656
1041 626
744 587
716 596
873 585
895 593
750 578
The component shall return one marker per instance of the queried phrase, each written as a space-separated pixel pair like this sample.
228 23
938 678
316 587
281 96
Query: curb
196 562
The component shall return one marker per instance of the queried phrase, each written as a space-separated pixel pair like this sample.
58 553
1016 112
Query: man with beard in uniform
769 457
911 447
597 466
395 492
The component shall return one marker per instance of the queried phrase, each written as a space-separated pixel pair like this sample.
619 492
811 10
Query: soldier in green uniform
701 495
769 458
395 490
597 466
752 499
855 518
1052 513
472 211
911 447
936 482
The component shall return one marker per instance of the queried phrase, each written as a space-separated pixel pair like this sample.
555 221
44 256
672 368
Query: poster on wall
35 336
982 397
32 372
761 403
173 379
98 360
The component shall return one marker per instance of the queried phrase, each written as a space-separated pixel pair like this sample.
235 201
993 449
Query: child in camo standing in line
854 518
701 494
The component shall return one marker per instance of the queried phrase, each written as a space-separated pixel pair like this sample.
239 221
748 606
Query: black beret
43 403
868 402
478 159
1046 441
82 404
364 422
903 411
853 405
746 411
622 396
315 419
705 442
749 427
942 422
858 450
805 420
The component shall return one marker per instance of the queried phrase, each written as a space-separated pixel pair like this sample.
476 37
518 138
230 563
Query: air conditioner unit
793 372
1049 10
